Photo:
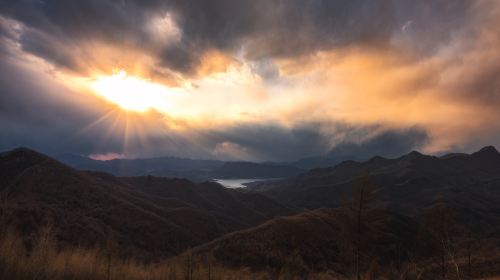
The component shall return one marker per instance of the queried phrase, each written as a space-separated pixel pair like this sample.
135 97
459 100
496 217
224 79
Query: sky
260 80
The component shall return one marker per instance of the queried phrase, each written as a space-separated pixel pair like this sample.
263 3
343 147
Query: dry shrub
46 262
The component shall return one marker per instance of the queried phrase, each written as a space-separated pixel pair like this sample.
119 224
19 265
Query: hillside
406 184
147 217
316 242
183 226
309 241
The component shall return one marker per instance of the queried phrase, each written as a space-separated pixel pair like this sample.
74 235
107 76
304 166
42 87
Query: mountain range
203 170
406 185
298 223
192 169
150 217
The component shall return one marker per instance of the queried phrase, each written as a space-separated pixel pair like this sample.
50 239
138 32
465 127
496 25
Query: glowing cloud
132 93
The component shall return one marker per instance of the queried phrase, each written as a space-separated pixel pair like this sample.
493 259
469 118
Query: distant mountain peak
23 152
488 150
414 156
415 153
376 159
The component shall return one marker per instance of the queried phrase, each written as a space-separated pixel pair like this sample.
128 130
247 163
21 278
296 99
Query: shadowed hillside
413 217
362 239
148 217
471 183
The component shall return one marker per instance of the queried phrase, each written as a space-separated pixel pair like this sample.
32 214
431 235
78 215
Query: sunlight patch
132 93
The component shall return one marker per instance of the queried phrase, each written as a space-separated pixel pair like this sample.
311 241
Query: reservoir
237 183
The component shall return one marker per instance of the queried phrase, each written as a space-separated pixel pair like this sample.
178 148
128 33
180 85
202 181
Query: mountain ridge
86 207
407 182
299 225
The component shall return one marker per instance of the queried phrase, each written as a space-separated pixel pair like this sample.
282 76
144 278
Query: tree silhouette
361 221
438 235
112 249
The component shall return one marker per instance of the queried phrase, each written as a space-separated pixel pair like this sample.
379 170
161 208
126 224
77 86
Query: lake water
236 183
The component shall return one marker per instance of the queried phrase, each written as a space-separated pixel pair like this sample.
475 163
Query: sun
131 93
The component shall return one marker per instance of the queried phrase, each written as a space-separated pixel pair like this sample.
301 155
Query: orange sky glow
390 85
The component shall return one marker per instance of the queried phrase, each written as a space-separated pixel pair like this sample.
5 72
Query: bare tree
470 243
189 265
361 220
111 252
468 249
438 235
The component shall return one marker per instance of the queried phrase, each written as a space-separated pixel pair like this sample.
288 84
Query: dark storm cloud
294 27
271 29
266 29
55 30
41 45
274 142
427 25
340 140
390 143
75 19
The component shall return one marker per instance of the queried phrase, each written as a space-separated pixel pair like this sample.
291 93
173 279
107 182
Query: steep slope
86 208
246 209
309 241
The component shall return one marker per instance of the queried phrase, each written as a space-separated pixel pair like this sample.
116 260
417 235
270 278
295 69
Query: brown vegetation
46 262
151 218
361 240
70 224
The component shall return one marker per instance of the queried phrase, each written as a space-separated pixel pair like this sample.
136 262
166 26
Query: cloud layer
258 80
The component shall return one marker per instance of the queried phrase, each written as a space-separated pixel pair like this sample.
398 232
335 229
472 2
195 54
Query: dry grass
45 262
